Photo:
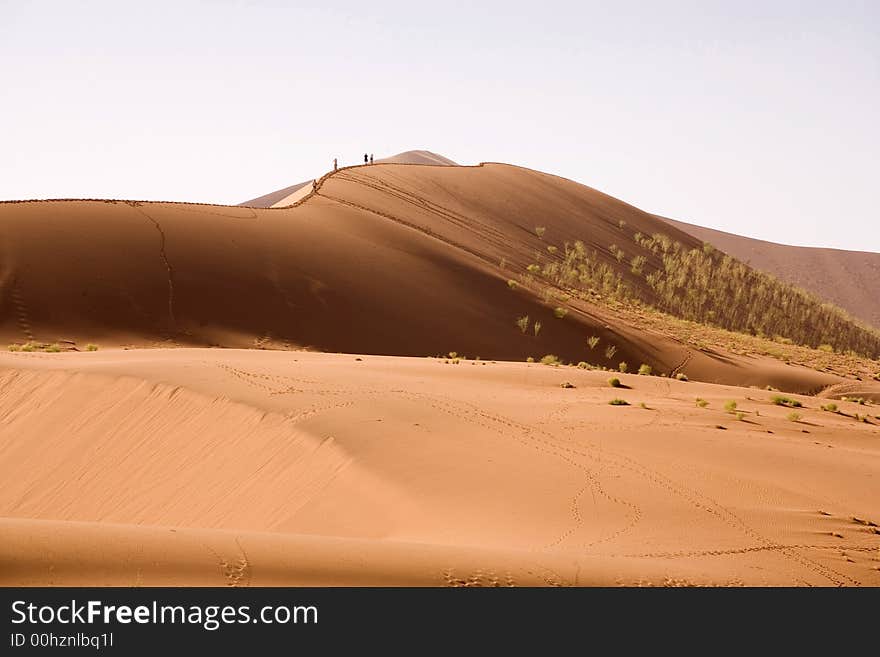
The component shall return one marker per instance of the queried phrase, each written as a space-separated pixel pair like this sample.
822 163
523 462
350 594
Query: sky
757 118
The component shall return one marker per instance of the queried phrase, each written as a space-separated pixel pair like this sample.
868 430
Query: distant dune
418 157
270 199
849 279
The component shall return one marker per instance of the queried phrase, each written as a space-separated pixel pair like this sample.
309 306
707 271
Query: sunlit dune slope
248 467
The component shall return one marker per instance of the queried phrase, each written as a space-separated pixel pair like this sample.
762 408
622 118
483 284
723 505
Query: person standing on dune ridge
371 158
334 164
365 158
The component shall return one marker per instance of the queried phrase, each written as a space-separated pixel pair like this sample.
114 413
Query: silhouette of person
365 158
314 186
371 158
334 164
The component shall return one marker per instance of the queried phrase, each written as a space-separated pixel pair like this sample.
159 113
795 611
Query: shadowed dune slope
848 279
386 259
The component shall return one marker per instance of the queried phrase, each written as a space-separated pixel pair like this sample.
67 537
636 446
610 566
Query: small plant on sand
779 400
637 265
619 402
530 360
512 284
644 405
523 323
592 341
552 249
566 384
730 406
740 416
533 268
827 348
793 417
550 359
560 312
539 231
52 348
645 370
621 224
830 407
91 347
29 346
584 365
610 350
702 403
614 382
681 376
537 328
453 354
14 347
623 367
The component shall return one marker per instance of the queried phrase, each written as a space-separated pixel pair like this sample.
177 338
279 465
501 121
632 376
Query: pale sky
758 118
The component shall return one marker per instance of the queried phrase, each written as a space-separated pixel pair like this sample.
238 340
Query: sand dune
253 467
388 259
327 443
845 278
417 157
276 197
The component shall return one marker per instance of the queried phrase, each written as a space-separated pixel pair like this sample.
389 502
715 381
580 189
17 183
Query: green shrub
523 323
550 359
793 417
52 348
584 365
830 407
530 360
681 376
552 249
645 370
537 328
592 341
623 367
740 416
512 284
610 350
539 231
619 402
91 347
560 312
827 348
614 382
14 347
702 403
534 269
779 400
730 406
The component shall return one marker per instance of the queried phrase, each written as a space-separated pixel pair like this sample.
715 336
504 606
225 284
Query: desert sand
266 404
245 467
